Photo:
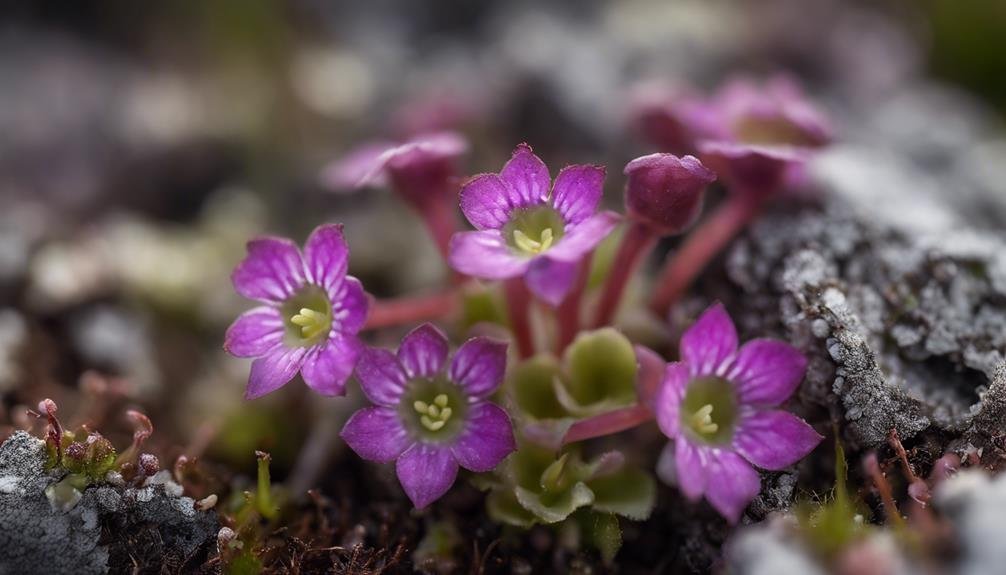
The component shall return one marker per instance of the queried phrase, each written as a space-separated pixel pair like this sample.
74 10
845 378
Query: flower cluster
433 413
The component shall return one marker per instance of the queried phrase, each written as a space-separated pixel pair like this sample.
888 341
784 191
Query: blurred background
141 144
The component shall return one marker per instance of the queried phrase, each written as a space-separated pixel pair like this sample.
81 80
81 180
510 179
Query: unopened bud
666 191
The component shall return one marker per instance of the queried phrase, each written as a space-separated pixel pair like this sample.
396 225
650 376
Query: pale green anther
445 413
702 420
434 416
434 411
441 400
526 244
311 322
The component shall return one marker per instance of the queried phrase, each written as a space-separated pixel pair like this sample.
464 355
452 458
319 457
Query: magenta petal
426 472
350 306
691 471
423 351
274 370
486 440
551 280
254 332
527 177
484 255
376 434
271 272
485 201
668 400
767 371
478 366
733 483
326 258
577 191
327 367
381 376
774 439
583 237
356 169
710 342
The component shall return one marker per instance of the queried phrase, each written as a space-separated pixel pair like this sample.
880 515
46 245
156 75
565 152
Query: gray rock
976 503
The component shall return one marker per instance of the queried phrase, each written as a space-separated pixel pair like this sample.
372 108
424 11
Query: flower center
308 317
533 231
770 131
433 409
709 410
434 416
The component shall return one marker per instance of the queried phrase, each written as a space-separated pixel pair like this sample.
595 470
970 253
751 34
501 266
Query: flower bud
755 171
665 191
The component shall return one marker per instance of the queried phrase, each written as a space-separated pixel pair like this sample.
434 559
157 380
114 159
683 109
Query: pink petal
271 272
733 483
583 237
327 367
710 342
774 439
485 201
484 255
376 434
767 371
551 280
326 258
527 177
691 469
274 370
486 440
668 401
381 376
650 378
254 332
426 472
577 191
478 366
423 351
357 168
350 306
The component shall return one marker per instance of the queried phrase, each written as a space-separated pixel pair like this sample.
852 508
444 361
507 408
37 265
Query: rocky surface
110 528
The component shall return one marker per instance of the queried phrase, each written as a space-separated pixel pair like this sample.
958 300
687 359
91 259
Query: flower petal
484 255
583 237
274 370
350 306
423 351
326 258
774 439
356 169
672 391
485 201
527 177
577 191
327 367
486 440
478 366
254 332
710 342
691 469
381 376
767 371
551 280
733 483
376 434
271 272
426 472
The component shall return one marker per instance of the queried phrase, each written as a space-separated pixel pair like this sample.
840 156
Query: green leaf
603 532
628 492
601 367
503 507
481 305
604 256
554 507
531 386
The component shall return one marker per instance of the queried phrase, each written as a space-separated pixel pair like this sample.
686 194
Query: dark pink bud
756 171
149 464
665 191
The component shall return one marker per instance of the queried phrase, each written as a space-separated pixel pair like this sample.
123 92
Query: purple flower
311 315
752 170
431 417
665 191
528 226
718 405
777 112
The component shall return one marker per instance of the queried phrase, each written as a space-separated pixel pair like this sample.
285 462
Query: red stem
639 239
568 313
607 423
700 248
441 221
518 301
392 312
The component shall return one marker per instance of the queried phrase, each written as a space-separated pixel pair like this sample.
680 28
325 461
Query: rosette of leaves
537 485
597 374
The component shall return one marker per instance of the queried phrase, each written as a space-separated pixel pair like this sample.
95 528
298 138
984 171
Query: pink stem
518 302
637 242
700 248
392 312
441 221
568 312
607 423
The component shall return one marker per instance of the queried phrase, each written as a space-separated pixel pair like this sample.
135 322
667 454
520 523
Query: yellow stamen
311 322
526 244
702 420
434 416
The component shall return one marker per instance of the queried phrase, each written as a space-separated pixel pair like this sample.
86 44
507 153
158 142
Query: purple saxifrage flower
311 315
528 226
430 416
719 405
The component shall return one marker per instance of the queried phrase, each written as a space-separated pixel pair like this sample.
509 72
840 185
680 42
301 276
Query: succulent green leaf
604 257
554 507
481 305
628 492
601 369
531 384
603 532
503 507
